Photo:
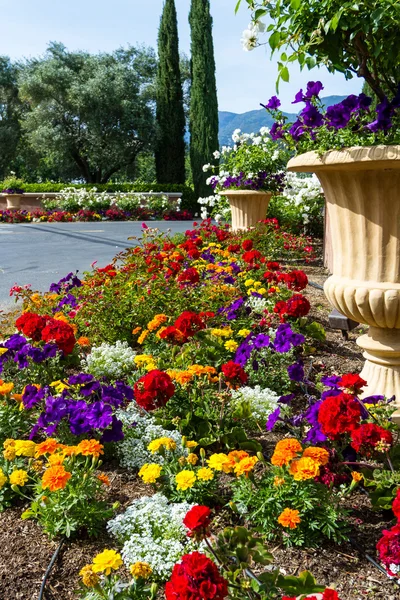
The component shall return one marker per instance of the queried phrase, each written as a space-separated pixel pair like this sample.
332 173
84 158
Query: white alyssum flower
217 154
206 167
257 304
152 530
140 429
110 360
262 402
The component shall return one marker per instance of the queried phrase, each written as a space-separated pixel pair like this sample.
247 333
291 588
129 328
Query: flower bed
186 372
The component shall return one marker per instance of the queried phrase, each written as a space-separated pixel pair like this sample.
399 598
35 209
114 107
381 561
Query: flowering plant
12 185
255 162
351 122
100 579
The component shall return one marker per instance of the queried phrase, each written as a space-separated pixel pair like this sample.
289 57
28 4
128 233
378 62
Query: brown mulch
25 551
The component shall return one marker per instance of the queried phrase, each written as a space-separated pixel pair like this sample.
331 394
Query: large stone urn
247 207
362 190
13 201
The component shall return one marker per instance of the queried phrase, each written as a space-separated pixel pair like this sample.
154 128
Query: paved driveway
40 253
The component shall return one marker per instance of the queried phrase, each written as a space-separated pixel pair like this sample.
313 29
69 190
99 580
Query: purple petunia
273 103
273 419
261 341
296 371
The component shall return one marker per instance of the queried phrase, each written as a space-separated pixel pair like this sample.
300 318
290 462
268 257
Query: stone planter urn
13 201
247 207
362 190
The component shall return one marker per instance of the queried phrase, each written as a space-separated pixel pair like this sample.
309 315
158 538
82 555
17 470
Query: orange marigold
285 451
90 448
49 446
320 455
103 478
245 466
83 341
55 478
304 468
289 518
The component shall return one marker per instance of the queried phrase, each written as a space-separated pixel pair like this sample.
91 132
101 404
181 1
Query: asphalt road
40 253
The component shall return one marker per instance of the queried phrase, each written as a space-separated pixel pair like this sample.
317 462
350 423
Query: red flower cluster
388 547
197 520
235 375
61 333
108 270
297 306
366 438
189 323
247 245
46 329
328 594
295 280
153 389
251 256
352 382
196 578
396 505
172 335
190 275
234 248
31 325
338 415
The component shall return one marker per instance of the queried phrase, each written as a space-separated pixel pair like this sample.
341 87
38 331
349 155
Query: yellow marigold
60 386
56 459
143 336
107 561
190 444
103 478
231 345
150 472
83 341
90 448
289 518
141 360
320 455
55 478
89 578
9 443
249 282
162 442
47 447
136 330
192 459
25 448
18 477
3 351
3 479
356 476
156 322
185 480
140 569
285 451
244 332
151 366
37 465
223 332
245 466
236 456
278 481
262 291
200 370
205 474
219 462
304 468
5 388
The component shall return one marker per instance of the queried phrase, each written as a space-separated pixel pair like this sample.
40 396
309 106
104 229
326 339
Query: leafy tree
170 116
203 98
10 109
355 38
92 111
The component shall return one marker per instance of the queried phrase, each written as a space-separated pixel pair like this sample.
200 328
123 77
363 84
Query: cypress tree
203 97
170 116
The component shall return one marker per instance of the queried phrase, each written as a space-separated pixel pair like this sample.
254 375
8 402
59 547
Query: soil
25 551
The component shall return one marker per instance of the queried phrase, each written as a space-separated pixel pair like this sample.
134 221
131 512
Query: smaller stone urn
247 207
13 201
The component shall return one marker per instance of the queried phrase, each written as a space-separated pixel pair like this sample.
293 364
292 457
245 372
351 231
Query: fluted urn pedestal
247 207
362 190
13 201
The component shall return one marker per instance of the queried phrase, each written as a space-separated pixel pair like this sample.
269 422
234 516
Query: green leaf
259 14
27 514
284 73
284 56
295 4
237 5
274 40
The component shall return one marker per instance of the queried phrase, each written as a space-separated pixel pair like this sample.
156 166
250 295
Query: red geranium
235 248
153 389
328 594
271 276
197 519
338 415
190 275
251 256
31 325
273 266
189 323
396 505
61 333
365 439
389 546
247 245
173 335
298 306
196 577
280 309
296 280
352 381
234 373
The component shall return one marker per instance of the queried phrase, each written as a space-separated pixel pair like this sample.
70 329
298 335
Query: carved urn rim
355 158
229 191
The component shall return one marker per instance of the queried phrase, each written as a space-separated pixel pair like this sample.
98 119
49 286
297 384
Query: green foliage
203 99
382 487
92 109
290 215
10 107
12 183
349 37
113 586
170 116
262 502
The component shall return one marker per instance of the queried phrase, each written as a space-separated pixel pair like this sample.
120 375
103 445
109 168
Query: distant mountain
253 120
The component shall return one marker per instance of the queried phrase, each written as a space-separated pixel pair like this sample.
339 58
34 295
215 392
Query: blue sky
244 79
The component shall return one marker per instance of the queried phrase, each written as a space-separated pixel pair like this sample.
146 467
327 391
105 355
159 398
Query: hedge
189 200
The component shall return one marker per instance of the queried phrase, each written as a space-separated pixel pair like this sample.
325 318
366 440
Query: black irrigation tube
49 568
316 285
